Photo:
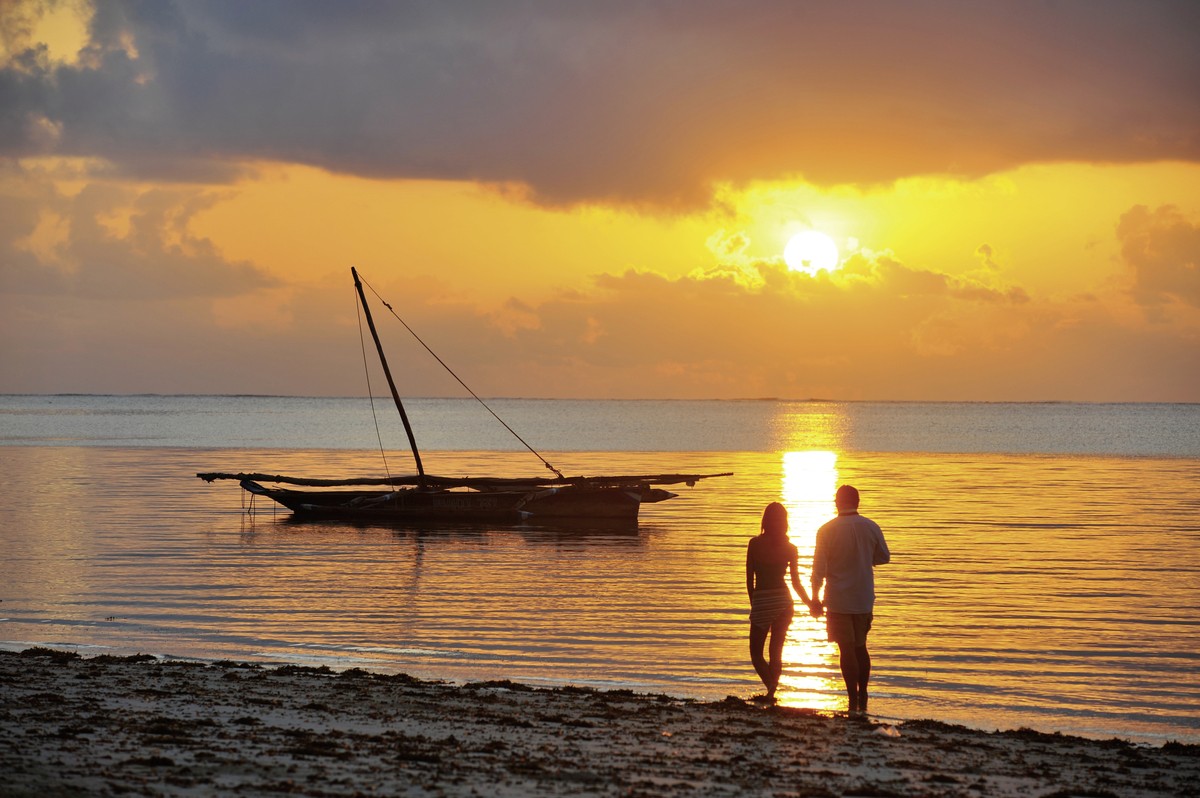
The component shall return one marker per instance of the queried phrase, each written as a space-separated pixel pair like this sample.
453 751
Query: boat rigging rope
449 370
370 394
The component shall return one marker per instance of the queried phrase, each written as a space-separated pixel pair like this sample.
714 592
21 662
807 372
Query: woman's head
775 520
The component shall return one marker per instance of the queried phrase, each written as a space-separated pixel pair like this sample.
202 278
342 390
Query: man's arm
819 566
882 555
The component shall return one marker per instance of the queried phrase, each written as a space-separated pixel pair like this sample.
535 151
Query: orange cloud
879 329
1162 249
152 253
111 286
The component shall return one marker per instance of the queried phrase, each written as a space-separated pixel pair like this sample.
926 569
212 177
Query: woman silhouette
768 558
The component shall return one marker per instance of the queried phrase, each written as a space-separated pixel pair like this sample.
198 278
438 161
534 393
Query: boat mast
412 441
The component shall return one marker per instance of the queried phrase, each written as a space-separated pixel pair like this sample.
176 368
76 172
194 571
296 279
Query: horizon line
747 399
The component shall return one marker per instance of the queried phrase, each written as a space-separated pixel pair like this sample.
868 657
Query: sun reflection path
810 672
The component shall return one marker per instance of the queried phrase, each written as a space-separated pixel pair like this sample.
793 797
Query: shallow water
1054 592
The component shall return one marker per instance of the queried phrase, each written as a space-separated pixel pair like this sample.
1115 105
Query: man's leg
848 660
863 658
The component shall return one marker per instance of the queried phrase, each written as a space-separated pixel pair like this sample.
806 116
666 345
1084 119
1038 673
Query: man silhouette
847 549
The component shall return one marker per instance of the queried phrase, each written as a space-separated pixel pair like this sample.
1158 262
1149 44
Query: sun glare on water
811 251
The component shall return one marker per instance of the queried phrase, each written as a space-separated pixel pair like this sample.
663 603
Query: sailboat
425 497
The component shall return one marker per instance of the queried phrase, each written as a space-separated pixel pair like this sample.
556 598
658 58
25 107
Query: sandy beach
142 726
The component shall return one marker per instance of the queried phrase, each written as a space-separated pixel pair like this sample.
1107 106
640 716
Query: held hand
815 609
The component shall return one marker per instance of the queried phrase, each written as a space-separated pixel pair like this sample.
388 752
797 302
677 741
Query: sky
592 199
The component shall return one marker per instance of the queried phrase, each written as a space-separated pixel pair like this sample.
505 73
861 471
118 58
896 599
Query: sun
811 251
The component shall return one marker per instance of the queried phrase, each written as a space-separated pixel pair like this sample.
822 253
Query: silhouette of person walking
769 556
847 549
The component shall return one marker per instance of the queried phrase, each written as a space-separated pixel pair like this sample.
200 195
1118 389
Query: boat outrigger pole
412 441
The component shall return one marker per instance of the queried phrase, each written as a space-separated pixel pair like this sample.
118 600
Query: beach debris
272 731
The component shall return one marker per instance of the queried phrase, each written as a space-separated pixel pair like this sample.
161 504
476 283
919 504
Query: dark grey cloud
635 102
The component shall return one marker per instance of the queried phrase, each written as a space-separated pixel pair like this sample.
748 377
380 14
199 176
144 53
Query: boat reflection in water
572 528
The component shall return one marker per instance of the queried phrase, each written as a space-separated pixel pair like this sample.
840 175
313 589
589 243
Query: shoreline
139 725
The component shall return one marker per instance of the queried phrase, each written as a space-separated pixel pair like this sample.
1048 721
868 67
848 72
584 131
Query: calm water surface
1051 591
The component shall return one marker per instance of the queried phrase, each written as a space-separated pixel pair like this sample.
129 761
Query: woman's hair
775 519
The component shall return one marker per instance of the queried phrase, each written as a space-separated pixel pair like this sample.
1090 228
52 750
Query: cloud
595 102
1162 250
743 339
111 242
879 329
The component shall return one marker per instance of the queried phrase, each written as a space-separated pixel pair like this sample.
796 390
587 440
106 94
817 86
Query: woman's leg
779 631
758 637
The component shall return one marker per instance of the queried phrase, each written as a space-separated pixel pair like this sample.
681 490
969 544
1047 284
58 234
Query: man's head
846 498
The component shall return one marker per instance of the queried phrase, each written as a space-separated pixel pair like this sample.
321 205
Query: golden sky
593 199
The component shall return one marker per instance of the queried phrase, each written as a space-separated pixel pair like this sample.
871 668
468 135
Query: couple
847 549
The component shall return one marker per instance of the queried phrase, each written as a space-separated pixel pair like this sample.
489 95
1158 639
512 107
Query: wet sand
141 726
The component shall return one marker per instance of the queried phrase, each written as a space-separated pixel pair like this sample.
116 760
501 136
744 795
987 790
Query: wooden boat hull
501 506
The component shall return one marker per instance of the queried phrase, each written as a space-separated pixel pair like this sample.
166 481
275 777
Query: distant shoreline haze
1051 428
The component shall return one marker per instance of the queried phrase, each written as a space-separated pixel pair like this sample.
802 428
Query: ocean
1046 557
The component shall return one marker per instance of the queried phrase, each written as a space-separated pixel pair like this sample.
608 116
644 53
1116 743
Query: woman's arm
750 570
795 566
